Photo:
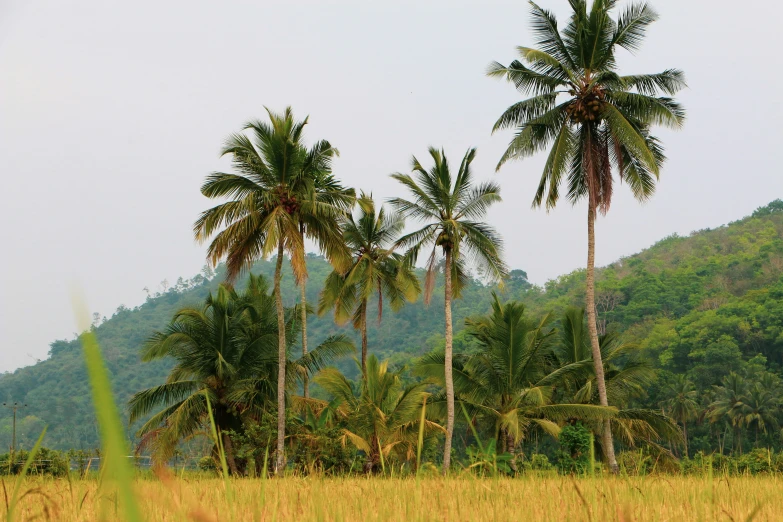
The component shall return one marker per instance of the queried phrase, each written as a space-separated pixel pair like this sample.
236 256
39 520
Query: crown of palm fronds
594 119
385 414
509 380
227 348
451 207
375 269
280 191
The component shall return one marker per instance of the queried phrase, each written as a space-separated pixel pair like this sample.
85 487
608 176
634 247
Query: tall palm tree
384 417
376 270
509 379
226 350
270 197
450 207
596 121
331 192
682 404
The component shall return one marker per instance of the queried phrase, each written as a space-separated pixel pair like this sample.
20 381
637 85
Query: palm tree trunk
228 447
448 369
281 359
607 442
363 327
685 438
373 462
303 288
511 448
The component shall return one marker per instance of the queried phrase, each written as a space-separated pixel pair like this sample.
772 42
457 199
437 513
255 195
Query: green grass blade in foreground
116 465
221 452
421 435
22 475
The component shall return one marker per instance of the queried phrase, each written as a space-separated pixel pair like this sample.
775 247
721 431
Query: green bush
208 464
538 462
573 457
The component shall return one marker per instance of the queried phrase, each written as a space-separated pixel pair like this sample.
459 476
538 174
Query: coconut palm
682 404
596 121
225 350
509 379
451 208
270 197
627 377
729 405
328 190
760 409
376 270
384 417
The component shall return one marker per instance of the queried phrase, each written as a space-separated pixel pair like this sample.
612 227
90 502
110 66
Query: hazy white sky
112 113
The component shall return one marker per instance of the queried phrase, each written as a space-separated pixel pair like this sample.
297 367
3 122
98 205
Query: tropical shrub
573 457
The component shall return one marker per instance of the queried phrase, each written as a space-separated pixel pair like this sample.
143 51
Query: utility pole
15 406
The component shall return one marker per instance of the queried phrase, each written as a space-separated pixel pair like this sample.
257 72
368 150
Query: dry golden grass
457 499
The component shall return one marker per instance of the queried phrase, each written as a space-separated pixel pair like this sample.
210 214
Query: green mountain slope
702 304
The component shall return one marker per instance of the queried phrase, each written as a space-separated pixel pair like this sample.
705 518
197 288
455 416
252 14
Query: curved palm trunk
281 359
228 448
607 442
448 369
303 288
363 327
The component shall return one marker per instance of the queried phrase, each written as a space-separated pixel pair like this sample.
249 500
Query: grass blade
221 453
115 449
421 435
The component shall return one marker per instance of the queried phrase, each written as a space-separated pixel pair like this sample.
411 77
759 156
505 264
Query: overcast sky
112 113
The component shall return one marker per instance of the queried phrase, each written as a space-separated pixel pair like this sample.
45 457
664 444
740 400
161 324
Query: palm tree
224 350
597 121
627 377
729 405
376 270
270 198
329 191
626 374
683 404
509 379
760 409
384 417
450 207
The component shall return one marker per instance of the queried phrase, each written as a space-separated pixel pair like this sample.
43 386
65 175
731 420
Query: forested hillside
704 305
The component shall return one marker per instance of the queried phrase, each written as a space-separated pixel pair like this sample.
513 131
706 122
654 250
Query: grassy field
357 499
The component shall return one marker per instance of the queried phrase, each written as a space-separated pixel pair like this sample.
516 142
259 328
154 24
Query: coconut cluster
287 201
587 106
